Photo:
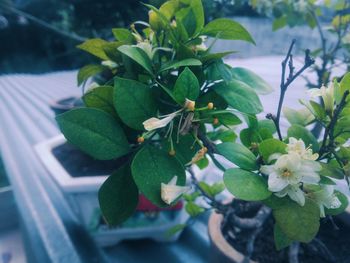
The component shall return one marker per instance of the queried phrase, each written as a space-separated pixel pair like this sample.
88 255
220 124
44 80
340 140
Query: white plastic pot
81 192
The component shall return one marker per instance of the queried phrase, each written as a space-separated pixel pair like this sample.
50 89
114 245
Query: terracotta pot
221 250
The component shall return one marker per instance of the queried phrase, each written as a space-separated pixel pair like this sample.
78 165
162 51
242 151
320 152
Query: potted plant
172 105
156 68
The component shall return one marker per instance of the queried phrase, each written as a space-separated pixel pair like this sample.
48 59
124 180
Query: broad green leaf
318 110
100 98
271 146
302 117
345 85
187 17
328 170
219 70
300 223
134 102
198 12
252 80
186 87
123 34
151 167
181 63
239 96
326 180
138 55
300 132
214 56
222 135
88 71
169 8
118 196
238 154
212 190
225 28
203 163
344 204
95 47
246 185
95 132
281 240
193 209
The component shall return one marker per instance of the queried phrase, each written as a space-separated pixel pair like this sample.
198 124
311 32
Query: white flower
327 95
287 174
298 147
170 191
109 63
325 197
155 123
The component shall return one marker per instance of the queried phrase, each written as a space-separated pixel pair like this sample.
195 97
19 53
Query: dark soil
335 235
79 164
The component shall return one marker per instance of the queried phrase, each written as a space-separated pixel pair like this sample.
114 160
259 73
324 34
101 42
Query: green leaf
219 70
212 190
123 34
279 23
344 205
118 196
88 71
300 223
203 163
345 85
301 117
214 56
271 146
328 170
281 240
246 185
134 102
181 63
238 154
198 12
222 135
95 132
100 98
186 87
138 55
193 209
225 28
252 80
151 167
239 96
319 111
326 180
300 132
95 47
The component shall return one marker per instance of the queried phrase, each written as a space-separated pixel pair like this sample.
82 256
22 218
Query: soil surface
335 235
79 164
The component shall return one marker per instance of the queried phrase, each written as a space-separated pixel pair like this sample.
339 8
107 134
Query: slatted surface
52 232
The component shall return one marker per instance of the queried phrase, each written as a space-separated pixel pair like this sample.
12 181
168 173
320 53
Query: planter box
81 193
8 210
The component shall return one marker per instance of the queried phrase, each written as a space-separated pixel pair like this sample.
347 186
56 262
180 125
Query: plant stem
286 82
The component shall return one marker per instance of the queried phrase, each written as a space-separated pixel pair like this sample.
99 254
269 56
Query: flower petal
276 183
296 194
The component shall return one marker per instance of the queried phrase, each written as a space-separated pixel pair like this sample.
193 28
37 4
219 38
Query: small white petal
169 193
296 194
155 123
276 183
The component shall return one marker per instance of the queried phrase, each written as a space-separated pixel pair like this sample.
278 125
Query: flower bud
190 105
172 152
140 139
216 121
210 106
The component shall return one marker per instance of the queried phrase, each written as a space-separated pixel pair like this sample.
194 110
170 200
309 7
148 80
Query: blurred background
39 36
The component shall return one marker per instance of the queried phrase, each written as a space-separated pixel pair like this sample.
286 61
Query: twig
212 201
286 82
324 250
293 252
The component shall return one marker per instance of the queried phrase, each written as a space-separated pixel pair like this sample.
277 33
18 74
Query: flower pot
221 250
8 210
80 185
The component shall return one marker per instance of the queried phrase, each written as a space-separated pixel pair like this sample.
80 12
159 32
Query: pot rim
218 240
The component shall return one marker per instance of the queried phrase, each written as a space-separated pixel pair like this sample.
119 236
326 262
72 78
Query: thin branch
255 222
